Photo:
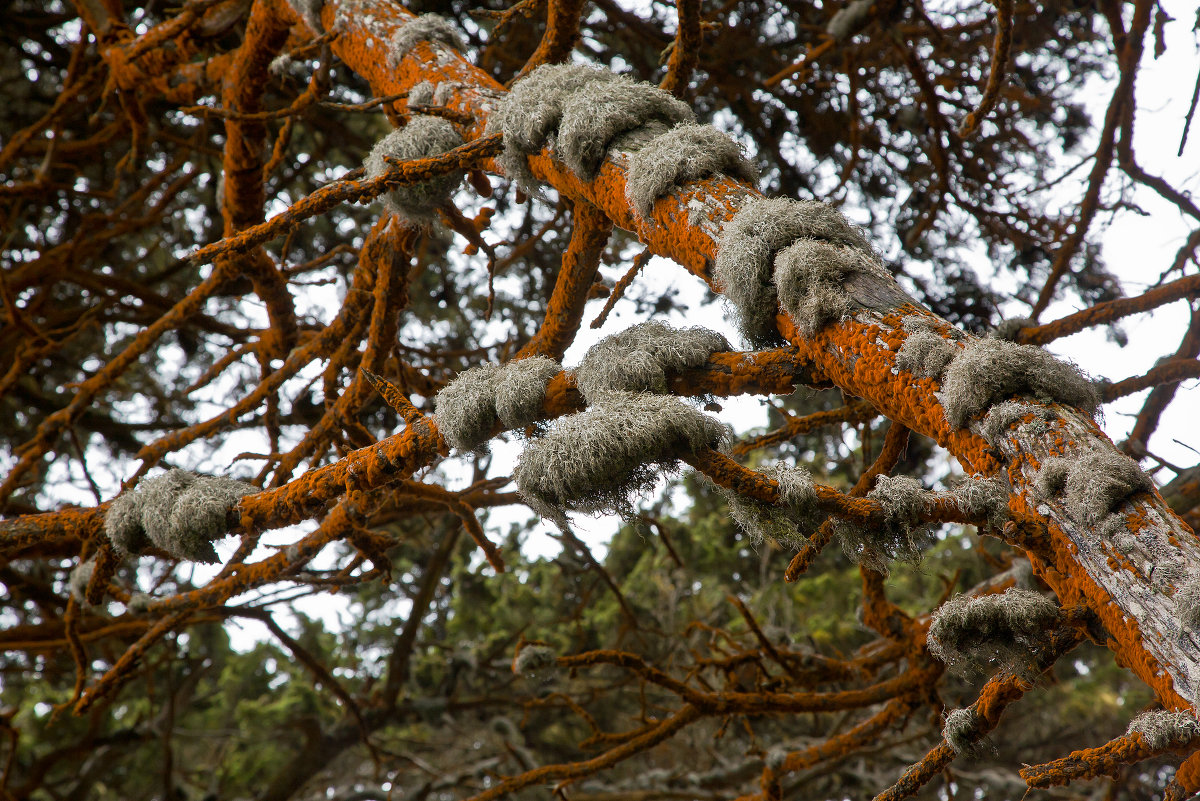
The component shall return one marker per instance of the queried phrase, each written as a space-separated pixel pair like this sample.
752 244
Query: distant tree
217 324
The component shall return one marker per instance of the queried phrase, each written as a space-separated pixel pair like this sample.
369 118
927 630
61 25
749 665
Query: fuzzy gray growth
597 113
1003 416
139 602
593 460
536 662
986 497
79 579
1162 729
684 153
280 65
810 274
902 535
532 111
775 758
1008 329
1052 478
421 94
797 492
310 12
749 241
994 630
1187 603
849 19
639 358
961 730
926 354
466 407
521 389
797 508
988 370
1099 482
178 511
424 136
425 28
199 516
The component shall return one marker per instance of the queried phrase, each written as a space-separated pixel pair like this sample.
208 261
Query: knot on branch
684 153
639 358
1001 631
468 406
179 512
422 137
429 28
593 460
584 109
750 241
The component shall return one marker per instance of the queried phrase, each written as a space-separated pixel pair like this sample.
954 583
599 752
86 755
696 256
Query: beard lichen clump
1094 485
787 522
530 114
685 153
985 498
594 460
961 731
424 136
989 370
1162 729
638 358
179 512
79 579
749 242
1002 630
425 28
925 352
596 114
901 536
810 277
467 407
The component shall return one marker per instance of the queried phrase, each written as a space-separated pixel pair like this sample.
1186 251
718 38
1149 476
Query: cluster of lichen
1001 631
467 407
179 512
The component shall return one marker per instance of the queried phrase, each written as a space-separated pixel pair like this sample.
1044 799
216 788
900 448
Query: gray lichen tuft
593 460
925 353
310 12
961 731
684 153
179 512
424 136
425 28
468 406
639 358
532 111
521 389
749 242
809 277
1095 484
993 630
985 498
79 579
1161 729
139 602
534 660
1187 603
1003 416
849 19
785 523
597 113
901 537
1008 329
989 370
421 94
